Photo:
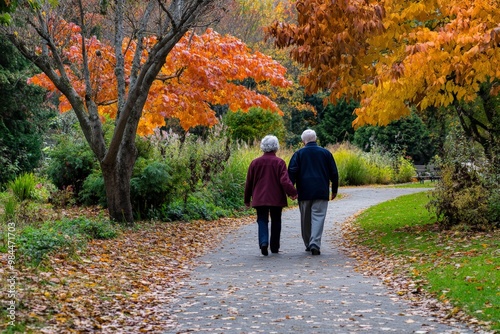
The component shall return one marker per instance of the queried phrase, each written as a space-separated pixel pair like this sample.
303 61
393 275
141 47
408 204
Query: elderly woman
267 186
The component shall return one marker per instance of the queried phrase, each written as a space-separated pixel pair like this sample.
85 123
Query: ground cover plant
404 244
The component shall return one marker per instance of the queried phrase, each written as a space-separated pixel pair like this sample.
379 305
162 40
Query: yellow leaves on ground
121 284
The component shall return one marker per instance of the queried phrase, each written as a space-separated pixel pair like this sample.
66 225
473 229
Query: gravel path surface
237 290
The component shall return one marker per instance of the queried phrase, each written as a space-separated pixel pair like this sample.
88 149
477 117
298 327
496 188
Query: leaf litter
395 273
118 285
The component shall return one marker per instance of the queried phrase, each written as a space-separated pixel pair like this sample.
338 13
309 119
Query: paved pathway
237 290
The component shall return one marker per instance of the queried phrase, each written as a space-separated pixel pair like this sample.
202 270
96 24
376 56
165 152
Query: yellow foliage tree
394 54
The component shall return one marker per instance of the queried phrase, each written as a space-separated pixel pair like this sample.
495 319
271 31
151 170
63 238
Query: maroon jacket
268 182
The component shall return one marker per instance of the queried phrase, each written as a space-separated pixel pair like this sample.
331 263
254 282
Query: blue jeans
263 213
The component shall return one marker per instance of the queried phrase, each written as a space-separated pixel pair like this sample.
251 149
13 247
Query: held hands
294 197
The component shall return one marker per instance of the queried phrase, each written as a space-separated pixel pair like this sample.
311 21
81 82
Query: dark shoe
275 251
315 251
263 250
308 249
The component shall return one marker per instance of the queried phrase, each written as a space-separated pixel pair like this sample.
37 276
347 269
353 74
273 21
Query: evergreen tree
334 121
407 136
22 117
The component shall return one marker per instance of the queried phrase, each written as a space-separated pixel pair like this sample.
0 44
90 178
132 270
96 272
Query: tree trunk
117 182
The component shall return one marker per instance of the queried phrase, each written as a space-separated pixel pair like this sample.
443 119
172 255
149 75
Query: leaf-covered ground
399 274
122 285
118 285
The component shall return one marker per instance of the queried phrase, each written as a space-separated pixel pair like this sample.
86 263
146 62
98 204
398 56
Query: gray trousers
312 220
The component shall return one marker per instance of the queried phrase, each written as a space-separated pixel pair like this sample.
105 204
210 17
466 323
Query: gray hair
269 144
308 136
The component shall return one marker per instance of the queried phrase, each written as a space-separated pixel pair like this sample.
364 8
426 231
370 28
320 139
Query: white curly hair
269 144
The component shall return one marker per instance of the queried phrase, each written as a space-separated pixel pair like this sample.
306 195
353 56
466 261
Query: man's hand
247 205
294 197
334 195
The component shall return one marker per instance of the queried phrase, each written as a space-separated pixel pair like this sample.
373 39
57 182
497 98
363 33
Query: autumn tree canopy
200 71
134 71
393 54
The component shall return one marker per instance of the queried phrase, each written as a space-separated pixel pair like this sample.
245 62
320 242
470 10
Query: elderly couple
311 169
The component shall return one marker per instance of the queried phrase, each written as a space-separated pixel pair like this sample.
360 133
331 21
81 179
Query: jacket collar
269 153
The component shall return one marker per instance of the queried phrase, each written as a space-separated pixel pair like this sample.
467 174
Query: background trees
407 136
253 125
397 54
334 121
392 56
127 75
23 119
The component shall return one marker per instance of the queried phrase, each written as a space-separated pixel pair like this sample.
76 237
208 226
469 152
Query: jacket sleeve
293 168
334 174
285 180
249 185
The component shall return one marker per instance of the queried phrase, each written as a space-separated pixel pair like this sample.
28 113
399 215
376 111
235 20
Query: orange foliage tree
145 67
395 54
247 20
200 71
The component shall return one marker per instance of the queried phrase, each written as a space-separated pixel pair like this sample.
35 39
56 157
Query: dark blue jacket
312 168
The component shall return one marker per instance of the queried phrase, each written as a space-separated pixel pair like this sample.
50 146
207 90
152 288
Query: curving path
237 290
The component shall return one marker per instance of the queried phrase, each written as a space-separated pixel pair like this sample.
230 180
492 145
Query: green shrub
66 235
352 168
253 125
62 198
460 199
151 187
382 175
10 206
23 186
194 164
71 161
466 197
199 205
35 244
44 189
93 190
405 170
95 229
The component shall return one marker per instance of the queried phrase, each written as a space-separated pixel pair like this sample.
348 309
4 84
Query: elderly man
311 169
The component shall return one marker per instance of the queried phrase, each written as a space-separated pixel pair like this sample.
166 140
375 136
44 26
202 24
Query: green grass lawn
461 268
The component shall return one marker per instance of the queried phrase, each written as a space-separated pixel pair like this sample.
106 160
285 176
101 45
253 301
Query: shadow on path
237 290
